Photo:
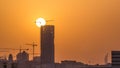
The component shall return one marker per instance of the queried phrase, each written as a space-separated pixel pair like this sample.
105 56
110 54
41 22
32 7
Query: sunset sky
85 30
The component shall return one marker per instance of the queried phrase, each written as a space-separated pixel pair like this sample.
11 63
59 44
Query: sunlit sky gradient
85 30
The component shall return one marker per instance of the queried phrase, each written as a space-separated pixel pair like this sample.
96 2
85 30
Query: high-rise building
47 44
115 59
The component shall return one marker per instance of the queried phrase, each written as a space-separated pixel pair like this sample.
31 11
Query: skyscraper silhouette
47 44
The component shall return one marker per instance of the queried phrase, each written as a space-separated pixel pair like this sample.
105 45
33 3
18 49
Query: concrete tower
47 44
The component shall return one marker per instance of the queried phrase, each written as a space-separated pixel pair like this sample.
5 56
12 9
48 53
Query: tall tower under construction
47 44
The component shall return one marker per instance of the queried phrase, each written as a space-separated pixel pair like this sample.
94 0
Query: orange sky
85 30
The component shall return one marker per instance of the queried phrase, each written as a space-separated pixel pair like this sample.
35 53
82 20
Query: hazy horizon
85 30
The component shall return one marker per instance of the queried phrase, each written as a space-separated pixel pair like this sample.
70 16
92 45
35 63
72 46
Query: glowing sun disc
40 22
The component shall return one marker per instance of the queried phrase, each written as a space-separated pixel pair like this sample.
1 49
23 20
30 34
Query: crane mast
33 45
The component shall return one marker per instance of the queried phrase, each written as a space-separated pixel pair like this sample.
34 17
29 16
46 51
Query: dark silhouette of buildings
46 60
22 56
115 59
47 44
23 61
10 58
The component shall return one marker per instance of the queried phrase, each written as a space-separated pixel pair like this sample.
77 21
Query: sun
40 22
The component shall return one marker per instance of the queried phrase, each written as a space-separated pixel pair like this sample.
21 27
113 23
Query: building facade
47 44
115 59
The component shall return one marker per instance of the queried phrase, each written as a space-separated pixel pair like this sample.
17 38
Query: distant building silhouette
71 64
115 59
22 60
46 60
47 44
10 58
22 57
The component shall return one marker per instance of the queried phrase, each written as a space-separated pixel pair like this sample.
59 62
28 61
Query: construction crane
49 20
13 49
34 53
3 57
38 21
7 50
33 45
4 51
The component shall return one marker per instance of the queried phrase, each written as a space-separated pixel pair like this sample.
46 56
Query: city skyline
85 30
